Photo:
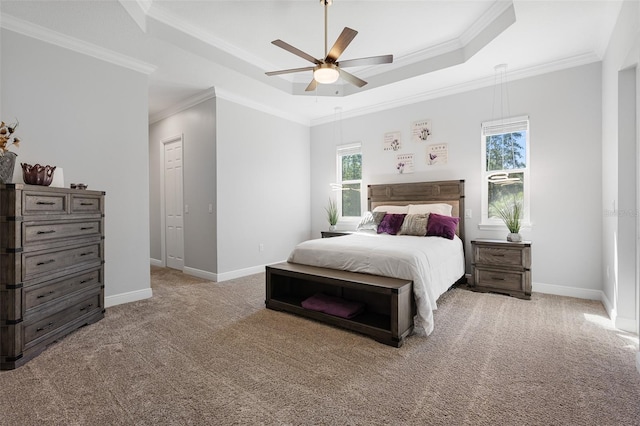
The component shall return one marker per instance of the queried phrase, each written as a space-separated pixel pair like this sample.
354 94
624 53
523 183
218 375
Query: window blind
506 125
351 149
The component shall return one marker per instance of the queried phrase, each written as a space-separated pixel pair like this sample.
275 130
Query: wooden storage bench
389 304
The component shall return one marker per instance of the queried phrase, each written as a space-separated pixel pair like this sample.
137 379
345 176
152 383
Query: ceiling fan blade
372 60
346 36
289 71
351 78
289 48
312 86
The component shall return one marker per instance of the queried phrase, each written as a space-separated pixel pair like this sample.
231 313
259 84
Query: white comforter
433 263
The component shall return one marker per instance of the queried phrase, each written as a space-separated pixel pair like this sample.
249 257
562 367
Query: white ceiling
439 47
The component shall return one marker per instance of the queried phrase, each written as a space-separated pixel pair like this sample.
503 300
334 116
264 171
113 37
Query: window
505 168
349 166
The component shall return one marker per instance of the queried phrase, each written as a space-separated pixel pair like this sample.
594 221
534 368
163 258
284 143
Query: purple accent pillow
391 223
442 226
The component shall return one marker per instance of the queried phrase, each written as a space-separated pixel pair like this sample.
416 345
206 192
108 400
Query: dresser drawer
37 263
86 204
499 256
44 203
499 280
49 322
35 296
36 232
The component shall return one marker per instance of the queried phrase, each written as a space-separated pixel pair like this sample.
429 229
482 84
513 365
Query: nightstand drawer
499 280
499 256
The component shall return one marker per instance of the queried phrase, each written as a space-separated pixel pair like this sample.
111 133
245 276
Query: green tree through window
351 171
506 166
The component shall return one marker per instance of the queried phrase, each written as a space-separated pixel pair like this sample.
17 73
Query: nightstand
330 234
502 267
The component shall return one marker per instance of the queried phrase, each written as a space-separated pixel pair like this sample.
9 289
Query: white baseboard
242 272
561 290
205 275
638 362
626 324
132 296
156 262
225 276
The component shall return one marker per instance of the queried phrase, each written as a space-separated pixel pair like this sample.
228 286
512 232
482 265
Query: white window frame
342 150
506 125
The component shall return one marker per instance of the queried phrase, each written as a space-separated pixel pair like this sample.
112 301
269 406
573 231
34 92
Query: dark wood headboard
403 194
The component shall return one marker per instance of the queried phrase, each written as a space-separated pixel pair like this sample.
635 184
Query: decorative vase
332 227
7 164
514 237
37 175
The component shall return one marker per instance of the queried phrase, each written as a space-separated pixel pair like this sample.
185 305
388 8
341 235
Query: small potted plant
511 214
332 214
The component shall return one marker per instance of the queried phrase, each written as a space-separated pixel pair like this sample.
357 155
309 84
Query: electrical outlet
186 208
260 247
468 214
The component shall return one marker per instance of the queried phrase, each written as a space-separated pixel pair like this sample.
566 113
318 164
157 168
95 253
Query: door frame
163 220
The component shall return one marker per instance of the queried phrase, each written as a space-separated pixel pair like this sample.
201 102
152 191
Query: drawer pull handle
45 203
45 327
86 253
46 232
86 204
46 262
86 228
40 296
85 281
498 278
86 307
498 255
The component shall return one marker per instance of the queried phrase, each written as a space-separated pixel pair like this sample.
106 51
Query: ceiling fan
329 69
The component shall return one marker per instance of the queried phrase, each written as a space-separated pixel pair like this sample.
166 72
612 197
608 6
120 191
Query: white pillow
392 209
438 208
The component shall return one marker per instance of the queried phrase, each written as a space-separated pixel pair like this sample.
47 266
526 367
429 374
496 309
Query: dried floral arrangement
7 137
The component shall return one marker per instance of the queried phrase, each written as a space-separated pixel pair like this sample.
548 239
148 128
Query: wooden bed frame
389 301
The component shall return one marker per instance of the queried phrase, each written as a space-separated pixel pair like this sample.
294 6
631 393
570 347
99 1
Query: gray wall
564 111
198 126
619 165
90 118
263 187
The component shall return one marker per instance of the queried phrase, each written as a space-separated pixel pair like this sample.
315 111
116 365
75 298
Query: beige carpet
203 353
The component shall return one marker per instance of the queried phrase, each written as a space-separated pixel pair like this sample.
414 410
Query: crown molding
226 95
487 19
136 10
183 105
47 35
232 97
570 62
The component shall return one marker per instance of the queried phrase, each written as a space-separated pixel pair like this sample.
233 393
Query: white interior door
173 207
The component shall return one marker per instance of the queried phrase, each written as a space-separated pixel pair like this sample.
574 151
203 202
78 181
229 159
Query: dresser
502 267
51 267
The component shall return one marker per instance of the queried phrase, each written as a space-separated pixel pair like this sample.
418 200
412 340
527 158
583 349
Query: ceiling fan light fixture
326 73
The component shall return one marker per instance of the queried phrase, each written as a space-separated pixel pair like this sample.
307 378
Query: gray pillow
370 221
414 224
